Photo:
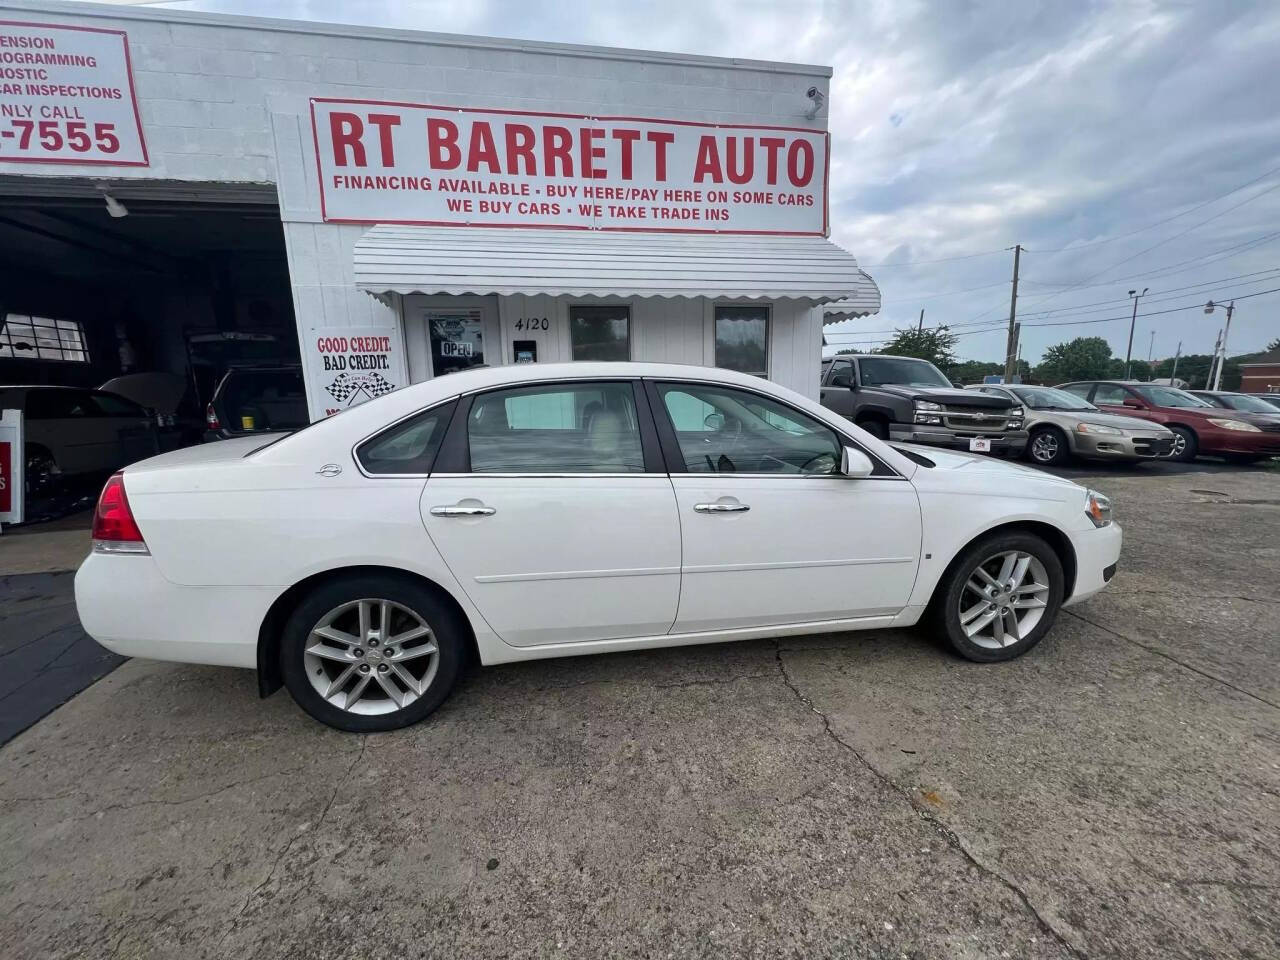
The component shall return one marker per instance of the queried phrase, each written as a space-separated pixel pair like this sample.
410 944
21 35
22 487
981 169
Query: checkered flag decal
346 387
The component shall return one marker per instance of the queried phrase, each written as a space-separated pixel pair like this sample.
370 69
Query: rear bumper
1012 442
1097 554
126 605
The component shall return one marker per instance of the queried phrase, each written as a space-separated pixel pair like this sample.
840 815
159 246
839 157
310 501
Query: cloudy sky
1122 144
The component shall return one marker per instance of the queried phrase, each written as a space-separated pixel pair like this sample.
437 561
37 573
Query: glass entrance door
457 340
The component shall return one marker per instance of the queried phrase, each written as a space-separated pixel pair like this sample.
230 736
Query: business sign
381 162
11 464
66 96
349 366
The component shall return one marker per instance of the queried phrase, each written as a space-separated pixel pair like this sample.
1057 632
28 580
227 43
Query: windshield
1166 396
877 371
1050 398
1238 401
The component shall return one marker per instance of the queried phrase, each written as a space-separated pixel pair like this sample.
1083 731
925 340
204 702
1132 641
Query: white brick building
225 107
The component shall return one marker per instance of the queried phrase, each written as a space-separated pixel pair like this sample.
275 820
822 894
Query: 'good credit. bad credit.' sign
410 163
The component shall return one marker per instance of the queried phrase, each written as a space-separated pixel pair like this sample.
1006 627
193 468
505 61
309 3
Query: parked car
257 399
168 397
1061 425
1271 398
902 398
1246 406
532 511
1199 427
71 432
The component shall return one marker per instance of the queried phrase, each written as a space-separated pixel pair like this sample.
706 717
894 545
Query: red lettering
793 163
627 138
772 145
708 163
384 122
556 145
591 153
748 159
520 149
660 140
345 130
442 144
483 149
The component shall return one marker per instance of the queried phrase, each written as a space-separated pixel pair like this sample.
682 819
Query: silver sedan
1061 425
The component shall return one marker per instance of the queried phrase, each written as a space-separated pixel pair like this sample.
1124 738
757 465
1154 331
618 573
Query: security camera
816 99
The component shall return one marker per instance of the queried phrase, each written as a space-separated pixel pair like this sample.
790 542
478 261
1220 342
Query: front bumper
1137 447
1263 443
1097 554
1011 442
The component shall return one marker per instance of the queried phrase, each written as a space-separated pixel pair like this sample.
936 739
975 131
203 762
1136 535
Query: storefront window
457 340
742 339
600 332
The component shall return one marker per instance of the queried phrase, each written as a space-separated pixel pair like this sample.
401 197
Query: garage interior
101 278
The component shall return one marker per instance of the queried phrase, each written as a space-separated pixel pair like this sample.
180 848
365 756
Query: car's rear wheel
370 653
1048 447
1185 445
1001 597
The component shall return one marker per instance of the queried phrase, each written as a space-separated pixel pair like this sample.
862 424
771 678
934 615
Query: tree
972 371
1084 358
934 345
1139 369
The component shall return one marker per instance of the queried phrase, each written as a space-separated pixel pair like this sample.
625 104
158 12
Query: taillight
211 418
114 529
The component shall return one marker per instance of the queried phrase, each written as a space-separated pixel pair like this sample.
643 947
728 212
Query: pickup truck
909 400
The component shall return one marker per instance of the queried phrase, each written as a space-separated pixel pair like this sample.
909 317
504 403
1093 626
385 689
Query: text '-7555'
51 135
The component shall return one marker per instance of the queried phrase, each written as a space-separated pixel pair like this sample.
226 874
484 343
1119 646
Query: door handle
720 507
458 511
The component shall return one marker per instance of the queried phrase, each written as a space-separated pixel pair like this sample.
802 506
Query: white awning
459 260
852 307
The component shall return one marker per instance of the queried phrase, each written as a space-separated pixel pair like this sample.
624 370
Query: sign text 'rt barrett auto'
409 163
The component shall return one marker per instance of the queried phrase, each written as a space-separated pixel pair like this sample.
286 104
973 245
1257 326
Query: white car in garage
533 511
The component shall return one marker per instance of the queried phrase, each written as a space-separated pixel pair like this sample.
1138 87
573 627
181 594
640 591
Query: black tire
951 589
408 594
876 427
1189 442
1048 447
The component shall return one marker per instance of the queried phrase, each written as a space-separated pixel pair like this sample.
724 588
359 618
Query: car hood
966 398
1119 421
977 464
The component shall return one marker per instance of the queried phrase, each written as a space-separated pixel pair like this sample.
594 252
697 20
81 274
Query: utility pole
1011 345
1176 357
920 325
1150 350
1226 332
1129 352
1213 364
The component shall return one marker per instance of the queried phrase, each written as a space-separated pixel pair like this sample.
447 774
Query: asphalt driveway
1114 793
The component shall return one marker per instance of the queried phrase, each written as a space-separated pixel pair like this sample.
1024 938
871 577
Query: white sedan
531 511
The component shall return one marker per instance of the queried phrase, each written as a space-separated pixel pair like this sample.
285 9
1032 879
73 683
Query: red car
1199 426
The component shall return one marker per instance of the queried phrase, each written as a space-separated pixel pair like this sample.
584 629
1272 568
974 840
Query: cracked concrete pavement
1115 793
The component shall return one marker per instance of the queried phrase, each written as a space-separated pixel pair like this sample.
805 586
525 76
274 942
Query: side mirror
1135 404
854 463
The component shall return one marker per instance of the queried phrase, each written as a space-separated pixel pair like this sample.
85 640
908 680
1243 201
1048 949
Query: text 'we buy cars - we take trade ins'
183 192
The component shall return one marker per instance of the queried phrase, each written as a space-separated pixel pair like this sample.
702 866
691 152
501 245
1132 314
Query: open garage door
155 289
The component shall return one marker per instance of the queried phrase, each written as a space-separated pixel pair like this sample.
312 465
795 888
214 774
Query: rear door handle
459 511
720 507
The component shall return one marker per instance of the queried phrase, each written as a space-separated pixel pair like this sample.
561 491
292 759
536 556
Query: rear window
262 400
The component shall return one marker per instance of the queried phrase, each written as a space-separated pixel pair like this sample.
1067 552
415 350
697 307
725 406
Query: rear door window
1110 394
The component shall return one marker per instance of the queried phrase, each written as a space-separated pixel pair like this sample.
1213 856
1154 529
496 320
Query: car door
64 421
551 506
772 533
128 430
837 387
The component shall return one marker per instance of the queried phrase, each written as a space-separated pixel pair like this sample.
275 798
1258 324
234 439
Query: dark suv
902 398
257 399
1198 426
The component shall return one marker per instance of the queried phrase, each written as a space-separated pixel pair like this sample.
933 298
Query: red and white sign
384 162
350 365
66 96
11 464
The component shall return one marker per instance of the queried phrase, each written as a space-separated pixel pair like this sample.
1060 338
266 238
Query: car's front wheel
369 653
1048 447
1001 596
1185 445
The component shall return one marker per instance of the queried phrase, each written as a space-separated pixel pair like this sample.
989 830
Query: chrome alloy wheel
1045 446
1179 446
371 656
1004 598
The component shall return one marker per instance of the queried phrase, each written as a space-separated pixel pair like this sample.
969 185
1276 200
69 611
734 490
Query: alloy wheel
1179 446
1044 447
1004 598
371 656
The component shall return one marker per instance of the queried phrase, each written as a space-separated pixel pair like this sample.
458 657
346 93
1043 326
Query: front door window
457 340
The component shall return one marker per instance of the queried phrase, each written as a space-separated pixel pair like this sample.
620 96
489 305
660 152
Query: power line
1189 286
916 263
1225 291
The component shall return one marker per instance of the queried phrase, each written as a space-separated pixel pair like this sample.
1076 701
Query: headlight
1016 412
1098 507
1239 425
1099 429
928 405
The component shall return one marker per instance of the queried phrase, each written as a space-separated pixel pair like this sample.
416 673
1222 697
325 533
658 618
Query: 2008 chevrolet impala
551 510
